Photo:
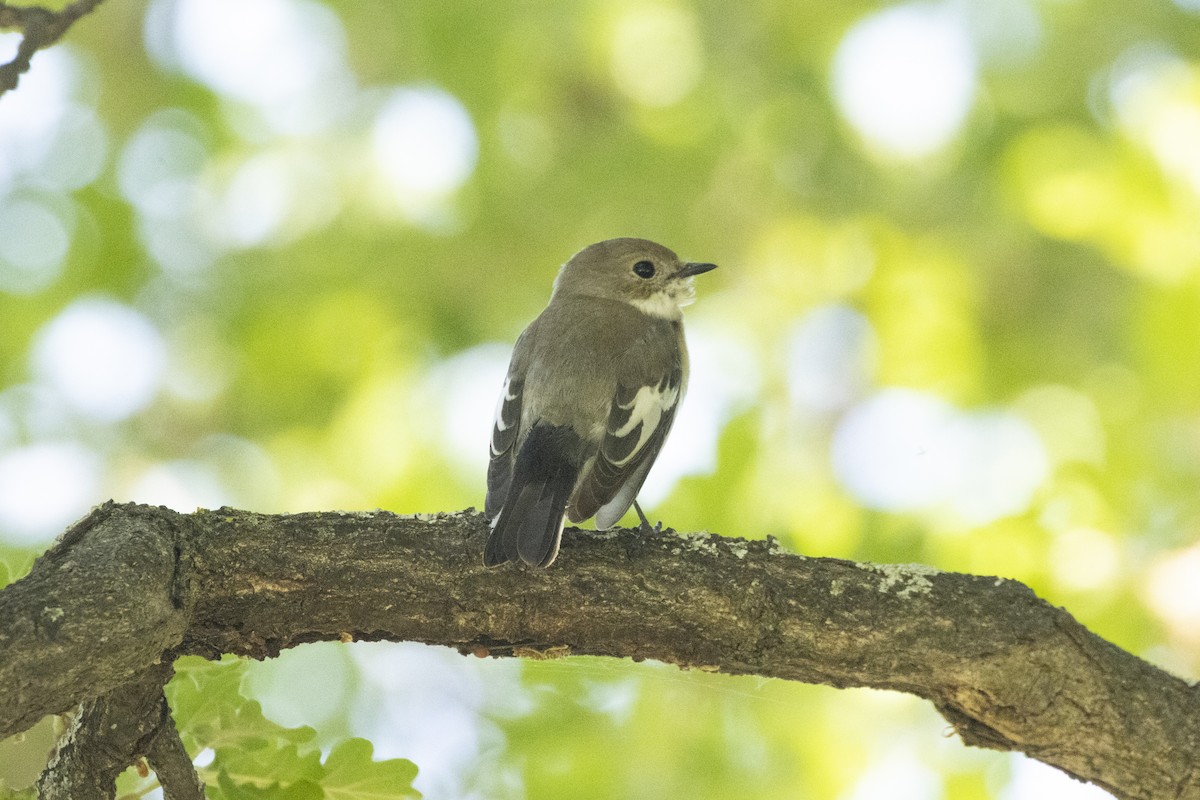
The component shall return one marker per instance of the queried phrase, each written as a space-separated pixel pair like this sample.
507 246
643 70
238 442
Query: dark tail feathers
530 522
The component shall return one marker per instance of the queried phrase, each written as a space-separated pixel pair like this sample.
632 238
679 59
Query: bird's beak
694 268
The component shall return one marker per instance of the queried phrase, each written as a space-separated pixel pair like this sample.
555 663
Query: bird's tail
529 525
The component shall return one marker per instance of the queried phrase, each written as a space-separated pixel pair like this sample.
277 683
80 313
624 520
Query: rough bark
131 587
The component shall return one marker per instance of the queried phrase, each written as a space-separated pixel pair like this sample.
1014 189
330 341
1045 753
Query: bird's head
637 271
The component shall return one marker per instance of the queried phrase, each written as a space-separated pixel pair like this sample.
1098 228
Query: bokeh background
273 254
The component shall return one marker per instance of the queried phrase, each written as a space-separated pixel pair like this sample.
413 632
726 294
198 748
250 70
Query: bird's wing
506 428
649 389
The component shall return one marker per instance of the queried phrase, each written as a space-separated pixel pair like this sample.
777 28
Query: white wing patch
648 407
506 397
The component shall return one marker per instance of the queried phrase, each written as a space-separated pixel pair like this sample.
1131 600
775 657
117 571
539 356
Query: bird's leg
646 526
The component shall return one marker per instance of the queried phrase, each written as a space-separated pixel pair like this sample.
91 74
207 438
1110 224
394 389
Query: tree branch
42 28
130 586
171 763
113 730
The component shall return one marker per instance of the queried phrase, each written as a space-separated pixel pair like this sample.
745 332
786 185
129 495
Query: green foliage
256 759
15 563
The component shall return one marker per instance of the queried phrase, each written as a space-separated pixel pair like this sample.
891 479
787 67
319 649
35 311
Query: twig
42 28
172 764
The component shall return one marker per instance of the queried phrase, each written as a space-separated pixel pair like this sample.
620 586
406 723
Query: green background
319 310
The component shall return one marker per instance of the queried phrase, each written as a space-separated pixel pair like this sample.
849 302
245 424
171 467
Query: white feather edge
608 514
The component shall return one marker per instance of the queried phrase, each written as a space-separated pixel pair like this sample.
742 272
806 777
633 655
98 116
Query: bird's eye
643 269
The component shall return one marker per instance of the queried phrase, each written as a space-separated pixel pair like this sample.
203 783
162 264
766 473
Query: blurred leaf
273 770
230 789
255 758
351 774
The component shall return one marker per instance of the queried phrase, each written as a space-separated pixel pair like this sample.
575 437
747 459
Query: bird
592 388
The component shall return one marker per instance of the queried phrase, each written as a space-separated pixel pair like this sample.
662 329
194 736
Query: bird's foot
647 528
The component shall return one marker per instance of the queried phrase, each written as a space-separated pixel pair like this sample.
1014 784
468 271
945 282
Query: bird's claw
646 527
